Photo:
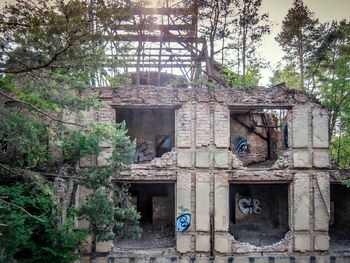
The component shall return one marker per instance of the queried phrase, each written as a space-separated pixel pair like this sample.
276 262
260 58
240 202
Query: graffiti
241 146
142 153
250 206
163 144
183 222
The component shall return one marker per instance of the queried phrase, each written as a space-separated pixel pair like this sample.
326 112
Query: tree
333 59
251 26
51 52
298 37
30 231
232 79
286 75
234 26
213 17
106 214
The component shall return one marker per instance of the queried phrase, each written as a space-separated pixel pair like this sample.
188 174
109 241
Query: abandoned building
225 173
219 174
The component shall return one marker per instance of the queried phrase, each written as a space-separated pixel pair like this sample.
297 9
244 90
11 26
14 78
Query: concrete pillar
221 126
321 211
301 126
183 126
183 206
222 206
301 212
202 201
203 130
301 142
320 120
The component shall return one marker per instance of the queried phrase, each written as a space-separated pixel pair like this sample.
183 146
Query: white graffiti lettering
249 206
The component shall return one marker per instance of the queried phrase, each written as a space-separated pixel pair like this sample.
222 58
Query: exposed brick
202 125
184 127
222 126
300 126
106 115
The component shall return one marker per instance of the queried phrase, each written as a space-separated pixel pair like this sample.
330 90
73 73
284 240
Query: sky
324 10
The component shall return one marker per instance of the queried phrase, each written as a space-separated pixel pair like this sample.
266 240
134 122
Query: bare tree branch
22 209
39 110
45 65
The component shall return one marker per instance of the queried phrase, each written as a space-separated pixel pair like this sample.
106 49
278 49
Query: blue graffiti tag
241 146
183 222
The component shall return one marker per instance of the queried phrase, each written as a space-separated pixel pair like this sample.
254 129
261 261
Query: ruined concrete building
228 175
221 174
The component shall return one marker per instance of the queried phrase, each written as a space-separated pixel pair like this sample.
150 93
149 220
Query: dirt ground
258 234
153 236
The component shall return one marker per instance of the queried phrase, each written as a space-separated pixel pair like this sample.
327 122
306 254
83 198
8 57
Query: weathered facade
239 175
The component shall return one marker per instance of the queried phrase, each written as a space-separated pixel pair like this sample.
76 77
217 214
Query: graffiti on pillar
183 222
241 146
250 206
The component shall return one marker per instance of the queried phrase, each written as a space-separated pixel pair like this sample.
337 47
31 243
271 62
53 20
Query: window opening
259 213
156 204
339 226
259 136
152 128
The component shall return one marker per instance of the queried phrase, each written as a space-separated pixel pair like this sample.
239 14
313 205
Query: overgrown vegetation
51 52
318 62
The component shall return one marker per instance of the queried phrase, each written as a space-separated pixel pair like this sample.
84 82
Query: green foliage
288 75
51 52
340 150
203 81
235 80
318 57
334 61
346 183
31 231
28 134
106 214
299 38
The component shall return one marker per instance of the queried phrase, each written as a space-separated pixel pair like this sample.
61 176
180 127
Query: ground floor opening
156 204
259 212
339 229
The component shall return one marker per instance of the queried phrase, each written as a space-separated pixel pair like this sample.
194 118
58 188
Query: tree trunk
93 248
301 63
243 59
301 59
